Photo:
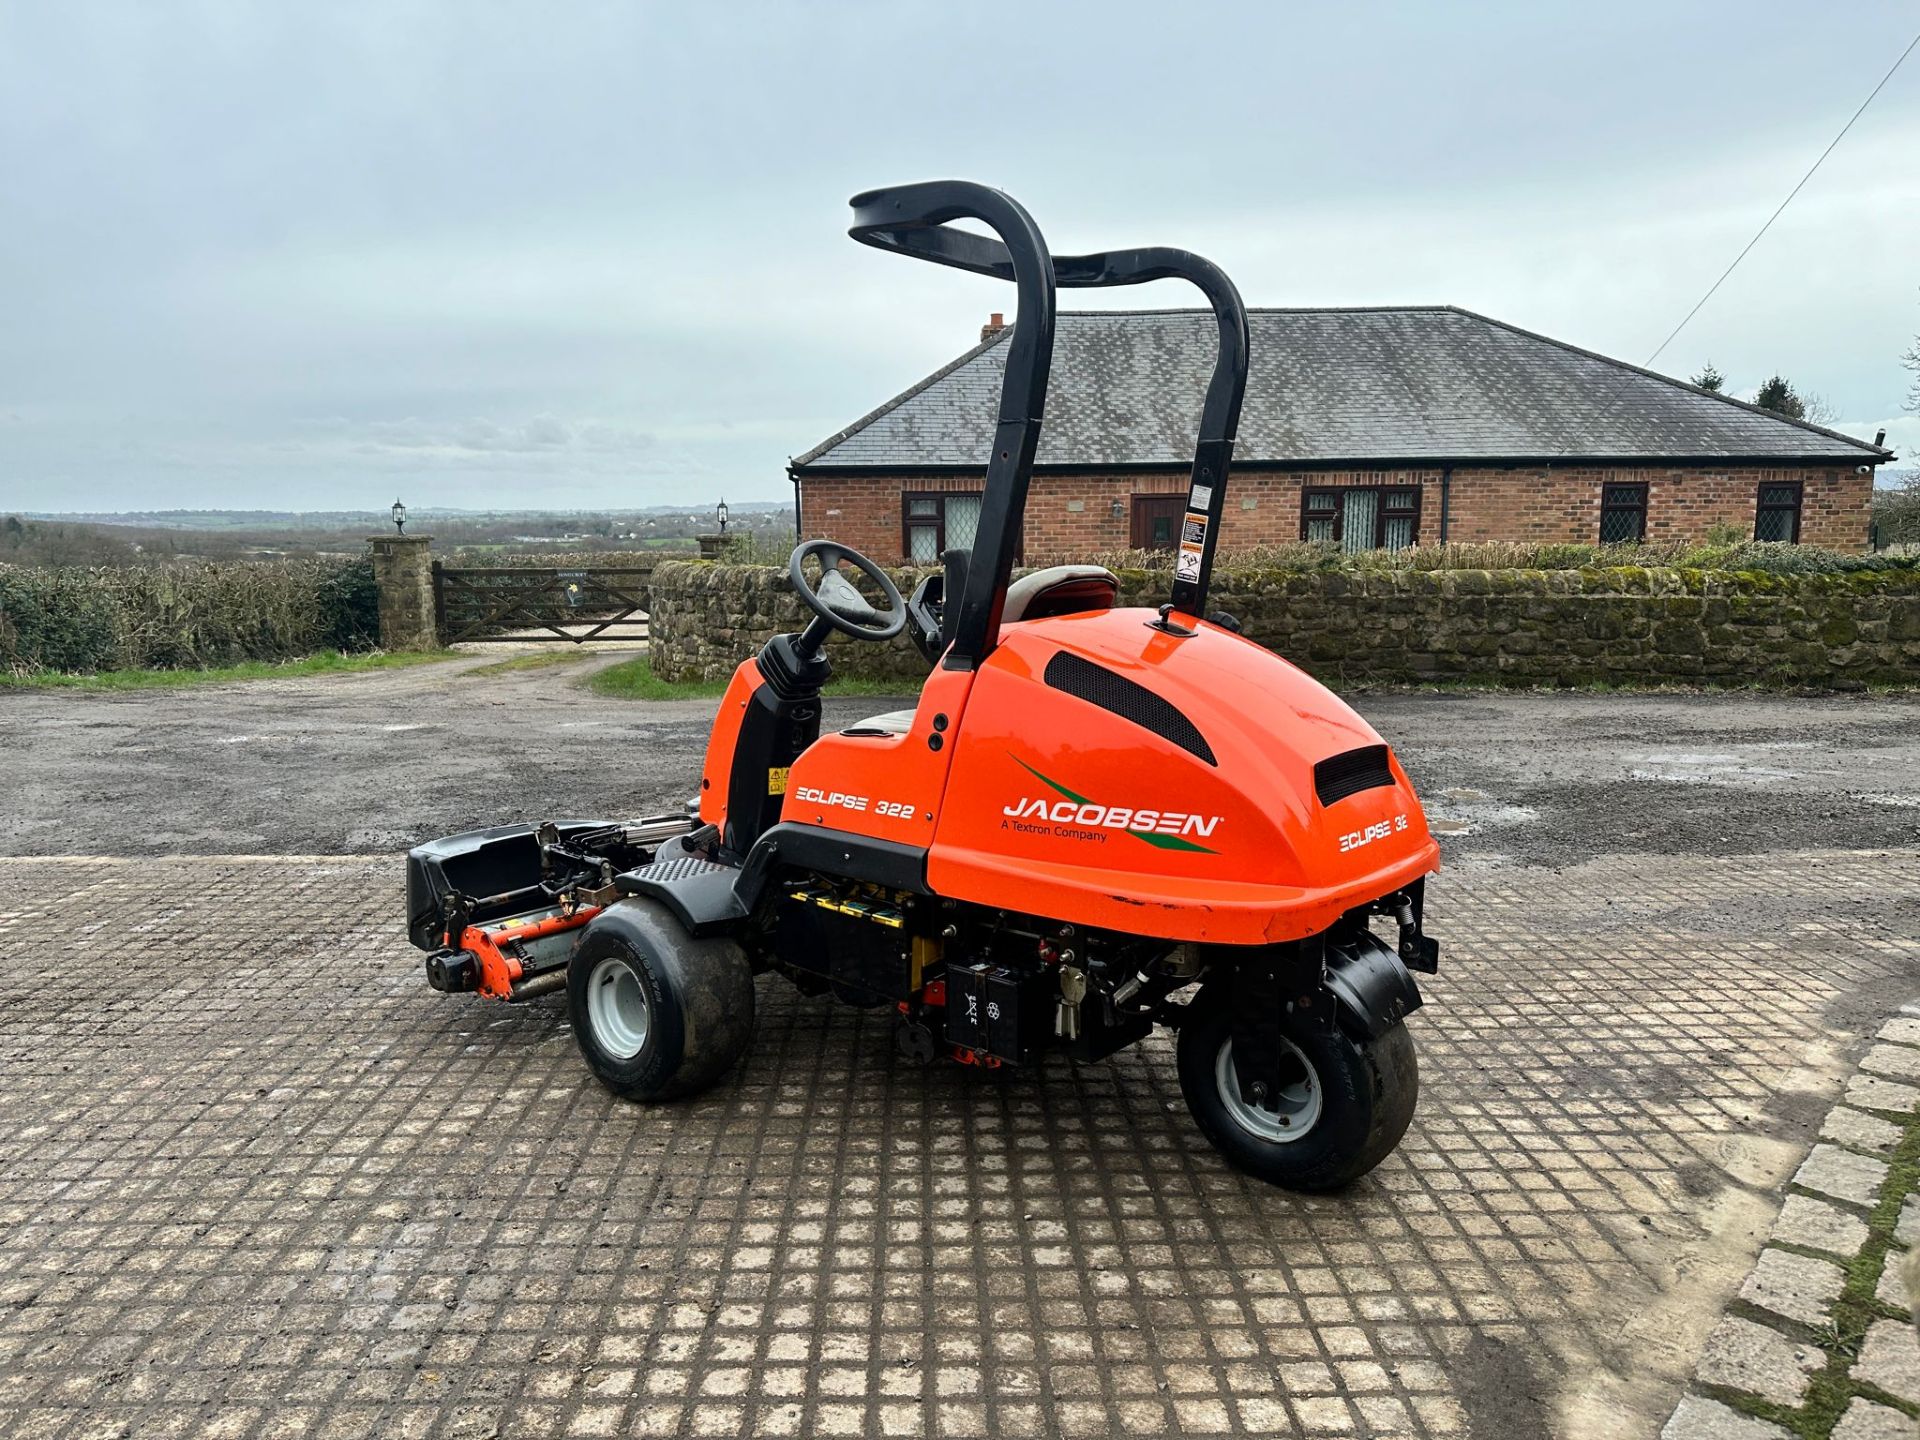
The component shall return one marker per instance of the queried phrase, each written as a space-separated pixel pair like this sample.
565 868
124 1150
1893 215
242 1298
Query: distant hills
145 537
348 519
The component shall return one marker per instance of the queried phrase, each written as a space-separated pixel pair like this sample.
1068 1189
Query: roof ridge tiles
1419 384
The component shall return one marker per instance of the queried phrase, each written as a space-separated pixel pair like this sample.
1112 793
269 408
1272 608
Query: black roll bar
1219 415
913 220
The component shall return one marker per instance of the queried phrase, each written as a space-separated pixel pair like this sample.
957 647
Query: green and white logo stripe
1125 821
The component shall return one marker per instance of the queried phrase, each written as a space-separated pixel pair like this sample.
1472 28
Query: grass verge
1833 1387
633 680
327 662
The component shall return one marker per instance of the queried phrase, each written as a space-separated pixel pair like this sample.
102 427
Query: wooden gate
529 603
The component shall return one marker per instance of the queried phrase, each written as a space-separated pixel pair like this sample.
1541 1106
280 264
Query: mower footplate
699 891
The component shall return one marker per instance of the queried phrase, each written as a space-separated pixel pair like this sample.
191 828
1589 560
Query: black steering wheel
837 601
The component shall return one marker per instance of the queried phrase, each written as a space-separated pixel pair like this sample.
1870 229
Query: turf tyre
657 1013
1367 1092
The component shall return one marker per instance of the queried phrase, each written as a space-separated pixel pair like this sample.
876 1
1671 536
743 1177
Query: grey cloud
564 255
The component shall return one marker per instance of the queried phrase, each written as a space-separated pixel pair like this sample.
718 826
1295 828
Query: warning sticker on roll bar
1193 541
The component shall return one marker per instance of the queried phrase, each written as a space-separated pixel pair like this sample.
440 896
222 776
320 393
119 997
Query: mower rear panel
1188 789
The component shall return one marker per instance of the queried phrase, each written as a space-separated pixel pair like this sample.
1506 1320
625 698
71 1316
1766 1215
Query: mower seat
1060 590
894 722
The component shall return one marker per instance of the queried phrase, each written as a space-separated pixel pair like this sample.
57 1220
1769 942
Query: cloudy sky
279 256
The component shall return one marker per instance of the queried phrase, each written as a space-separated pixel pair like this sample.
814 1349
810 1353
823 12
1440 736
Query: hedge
183 616
1743 557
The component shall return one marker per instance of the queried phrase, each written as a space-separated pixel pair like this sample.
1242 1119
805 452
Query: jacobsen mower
1089 811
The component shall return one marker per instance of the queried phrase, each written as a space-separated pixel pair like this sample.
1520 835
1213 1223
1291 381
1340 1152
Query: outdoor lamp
399 517
720 511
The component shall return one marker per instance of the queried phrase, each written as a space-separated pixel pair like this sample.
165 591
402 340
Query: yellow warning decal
777 780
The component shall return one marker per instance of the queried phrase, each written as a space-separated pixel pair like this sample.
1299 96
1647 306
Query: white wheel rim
1297 1110
618 1009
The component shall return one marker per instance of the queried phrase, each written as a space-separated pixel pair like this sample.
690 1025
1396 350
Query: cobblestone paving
1821 1337
257 1180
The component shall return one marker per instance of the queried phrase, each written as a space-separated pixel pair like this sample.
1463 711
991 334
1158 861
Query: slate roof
1425 384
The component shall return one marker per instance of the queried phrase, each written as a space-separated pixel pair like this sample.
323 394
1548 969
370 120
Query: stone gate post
403 572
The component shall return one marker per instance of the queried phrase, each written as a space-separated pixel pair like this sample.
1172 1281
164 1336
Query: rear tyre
1342 1107
657 1013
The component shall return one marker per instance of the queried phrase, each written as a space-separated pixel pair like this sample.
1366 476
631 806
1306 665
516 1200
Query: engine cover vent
1350 772
1098 685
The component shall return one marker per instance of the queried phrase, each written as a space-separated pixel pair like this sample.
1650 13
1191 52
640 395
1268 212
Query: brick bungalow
1367 427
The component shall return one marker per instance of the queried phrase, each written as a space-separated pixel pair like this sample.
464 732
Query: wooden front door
1156 521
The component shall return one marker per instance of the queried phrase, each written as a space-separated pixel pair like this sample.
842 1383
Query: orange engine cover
1176 801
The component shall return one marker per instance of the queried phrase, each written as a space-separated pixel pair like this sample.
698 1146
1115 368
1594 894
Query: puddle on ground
1687 767
1463 811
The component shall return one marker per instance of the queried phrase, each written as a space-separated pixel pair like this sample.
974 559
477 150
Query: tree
1777 395
1896 512
1912 361
1710 379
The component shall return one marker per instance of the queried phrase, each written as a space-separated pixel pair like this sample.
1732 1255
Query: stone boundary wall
1487 627
703 619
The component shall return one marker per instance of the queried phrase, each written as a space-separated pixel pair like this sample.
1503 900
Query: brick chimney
996 322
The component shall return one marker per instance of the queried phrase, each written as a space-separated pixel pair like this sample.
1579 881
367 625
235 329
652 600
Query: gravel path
376 761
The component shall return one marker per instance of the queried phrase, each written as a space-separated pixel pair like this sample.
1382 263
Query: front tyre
657 1013
1342 1105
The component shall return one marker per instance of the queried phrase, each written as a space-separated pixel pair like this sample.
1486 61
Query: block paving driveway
257 1180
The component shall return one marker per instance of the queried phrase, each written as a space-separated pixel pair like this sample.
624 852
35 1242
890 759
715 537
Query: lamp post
720 513
399 517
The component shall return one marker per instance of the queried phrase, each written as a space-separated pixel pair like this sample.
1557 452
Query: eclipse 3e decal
1354 839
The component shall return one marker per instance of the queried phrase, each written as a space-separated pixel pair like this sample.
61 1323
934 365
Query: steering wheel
838 601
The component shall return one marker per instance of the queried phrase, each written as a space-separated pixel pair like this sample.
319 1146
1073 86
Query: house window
1362 517
935 524
1623 514
1776 513
1156 521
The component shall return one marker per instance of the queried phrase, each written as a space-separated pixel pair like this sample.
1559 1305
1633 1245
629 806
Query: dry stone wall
1491 627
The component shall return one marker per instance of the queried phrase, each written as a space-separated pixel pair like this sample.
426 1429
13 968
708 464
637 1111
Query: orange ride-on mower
1089 811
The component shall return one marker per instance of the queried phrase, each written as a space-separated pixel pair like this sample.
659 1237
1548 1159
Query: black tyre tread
718 1006
1396 1090
708 982
1393 1080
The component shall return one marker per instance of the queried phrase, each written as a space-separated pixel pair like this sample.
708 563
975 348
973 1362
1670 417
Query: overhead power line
1748 247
